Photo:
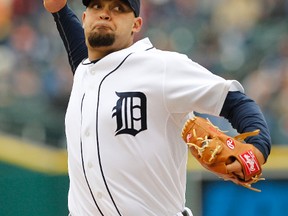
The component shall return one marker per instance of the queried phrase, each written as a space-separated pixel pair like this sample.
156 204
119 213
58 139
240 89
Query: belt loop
187 212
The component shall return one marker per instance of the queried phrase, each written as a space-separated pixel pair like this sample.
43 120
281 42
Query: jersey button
99 195
90 165
87 133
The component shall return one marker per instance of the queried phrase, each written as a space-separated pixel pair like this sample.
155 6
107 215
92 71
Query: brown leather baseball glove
214 150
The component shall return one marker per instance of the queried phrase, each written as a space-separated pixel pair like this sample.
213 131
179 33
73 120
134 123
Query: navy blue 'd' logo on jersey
130 112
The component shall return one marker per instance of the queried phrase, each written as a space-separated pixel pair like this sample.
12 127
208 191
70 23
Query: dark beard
98 40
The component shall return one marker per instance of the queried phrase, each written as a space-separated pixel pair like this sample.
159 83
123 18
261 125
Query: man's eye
118 8
96 6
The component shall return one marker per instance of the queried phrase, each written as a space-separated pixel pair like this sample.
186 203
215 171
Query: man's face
110 24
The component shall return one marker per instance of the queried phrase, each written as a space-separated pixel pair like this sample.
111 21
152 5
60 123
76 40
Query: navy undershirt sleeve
245 116
72 35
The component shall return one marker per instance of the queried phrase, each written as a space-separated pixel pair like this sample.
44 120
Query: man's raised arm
70 30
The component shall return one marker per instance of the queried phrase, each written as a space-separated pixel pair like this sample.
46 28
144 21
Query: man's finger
236 169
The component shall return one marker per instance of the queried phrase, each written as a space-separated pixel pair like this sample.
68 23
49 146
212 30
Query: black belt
185 213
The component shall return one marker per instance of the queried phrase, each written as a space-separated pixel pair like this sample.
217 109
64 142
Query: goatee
99 40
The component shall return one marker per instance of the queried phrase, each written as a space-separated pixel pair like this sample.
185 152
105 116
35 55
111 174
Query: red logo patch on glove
250 162
230 143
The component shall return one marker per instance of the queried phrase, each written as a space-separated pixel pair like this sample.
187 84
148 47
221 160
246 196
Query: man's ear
137 24
83 19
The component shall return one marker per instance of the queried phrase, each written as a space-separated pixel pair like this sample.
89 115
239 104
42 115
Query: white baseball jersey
123 125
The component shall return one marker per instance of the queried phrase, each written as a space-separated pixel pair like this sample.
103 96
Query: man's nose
105 15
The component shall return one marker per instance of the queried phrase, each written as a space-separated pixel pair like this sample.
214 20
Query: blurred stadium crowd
238 39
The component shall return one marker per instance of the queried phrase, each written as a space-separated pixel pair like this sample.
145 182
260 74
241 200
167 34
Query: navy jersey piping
97 139
83 167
